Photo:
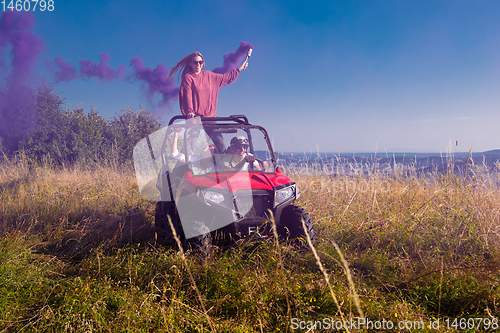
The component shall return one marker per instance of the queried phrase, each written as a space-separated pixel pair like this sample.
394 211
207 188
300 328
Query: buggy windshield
214 148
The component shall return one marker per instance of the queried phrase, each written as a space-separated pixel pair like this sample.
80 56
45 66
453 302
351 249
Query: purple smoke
65 72
103 71
15 32
20 48
234 59
155 81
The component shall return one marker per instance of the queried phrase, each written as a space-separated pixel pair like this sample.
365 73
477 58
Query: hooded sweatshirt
198 92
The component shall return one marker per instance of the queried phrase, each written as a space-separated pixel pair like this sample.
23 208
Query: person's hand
243 66
250 158
190 115
192 121
177 131
227 165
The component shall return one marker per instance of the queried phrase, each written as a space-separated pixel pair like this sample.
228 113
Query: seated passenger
239 158
199 164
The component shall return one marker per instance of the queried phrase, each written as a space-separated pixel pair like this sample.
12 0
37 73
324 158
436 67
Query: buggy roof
233 119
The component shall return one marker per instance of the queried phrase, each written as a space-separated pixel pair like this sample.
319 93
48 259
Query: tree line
34 120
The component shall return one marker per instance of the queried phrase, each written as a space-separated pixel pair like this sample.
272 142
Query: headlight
214 197
284 194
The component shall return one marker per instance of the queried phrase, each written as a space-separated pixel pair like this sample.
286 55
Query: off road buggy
222 194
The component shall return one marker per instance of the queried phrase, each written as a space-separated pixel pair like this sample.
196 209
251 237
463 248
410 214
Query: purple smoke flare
19 50
15 32
234 59
103 71
155 81
65 71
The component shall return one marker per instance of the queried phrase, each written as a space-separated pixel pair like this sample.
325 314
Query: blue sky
346 76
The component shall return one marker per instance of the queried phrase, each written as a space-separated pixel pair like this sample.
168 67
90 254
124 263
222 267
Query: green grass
79 253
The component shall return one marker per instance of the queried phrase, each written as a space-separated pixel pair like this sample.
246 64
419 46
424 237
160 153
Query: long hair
184 67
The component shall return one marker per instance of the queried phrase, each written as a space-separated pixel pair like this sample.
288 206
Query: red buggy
226 192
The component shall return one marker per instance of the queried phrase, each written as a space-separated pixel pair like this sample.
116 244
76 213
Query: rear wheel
292 217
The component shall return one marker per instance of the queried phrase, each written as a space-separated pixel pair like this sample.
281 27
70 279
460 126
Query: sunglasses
198 62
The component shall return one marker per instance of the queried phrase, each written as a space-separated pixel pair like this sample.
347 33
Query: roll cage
225 125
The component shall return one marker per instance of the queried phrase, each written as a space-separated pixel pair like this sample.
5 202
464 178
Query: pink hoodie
198 93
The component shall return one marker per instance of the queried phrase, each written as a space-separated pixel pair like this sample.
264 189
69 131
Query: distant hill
494 152
423 162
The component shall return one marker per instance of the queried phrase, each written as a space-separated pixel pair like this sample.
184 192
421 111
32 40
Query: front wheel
163 210
292 217
201 243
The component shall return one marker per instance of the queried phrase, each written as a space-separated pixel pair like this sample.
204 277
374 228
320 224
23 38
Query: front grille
253 204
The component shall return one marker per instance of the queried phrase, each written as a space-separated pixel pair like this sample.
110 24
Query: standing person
199 89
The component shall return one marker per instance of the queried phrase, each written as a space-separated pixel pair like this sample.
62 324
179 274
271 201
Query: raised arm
227 78
174 153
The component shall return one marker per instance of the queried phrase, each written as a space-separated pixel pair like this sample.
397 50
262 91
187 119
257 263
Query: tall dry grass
433 239
72 207
79 252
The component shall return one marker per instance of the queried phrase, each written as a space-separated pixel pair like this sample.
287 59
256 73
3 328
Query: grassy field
79 253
